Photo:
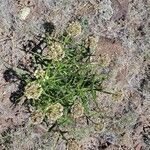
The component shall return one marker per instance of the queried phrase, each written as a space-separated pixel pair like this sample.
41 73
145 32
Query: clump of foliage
64 82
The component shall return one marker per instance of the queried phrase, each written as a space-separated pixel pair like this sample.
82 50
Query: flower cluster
99 126
39 73
72 145
77 110
91 42
118 95
74 29
37 117
55 52
54 112
104 60
33 90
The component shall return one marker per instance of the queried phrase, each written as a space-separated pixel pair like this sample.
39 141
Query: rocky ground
122 30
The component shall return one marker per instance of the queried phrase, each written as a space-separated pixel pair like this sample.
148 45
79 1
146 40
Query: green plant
64 80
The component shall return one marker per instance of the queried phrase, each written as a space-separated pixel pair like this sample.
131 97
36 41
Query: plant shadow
31 47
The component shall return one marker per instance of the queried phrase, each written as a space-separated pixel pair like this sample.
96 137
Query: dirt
122 29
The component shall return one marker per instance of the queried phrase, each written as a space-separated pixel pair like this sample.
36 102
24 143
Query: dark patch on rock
10 75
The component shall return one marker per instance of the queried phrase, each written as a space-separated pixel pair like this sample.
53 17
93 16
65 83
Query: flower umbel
99 125
39 73
77 110
33 90
72 145
104 60
91 42
118 95
55 51
37 117
54 111
74 29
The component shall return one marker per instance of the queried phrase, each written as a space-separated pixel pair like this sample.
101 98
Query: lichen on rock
24 12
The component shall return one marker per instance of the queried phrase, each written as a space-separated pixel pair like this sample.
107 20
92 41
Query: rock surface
122 27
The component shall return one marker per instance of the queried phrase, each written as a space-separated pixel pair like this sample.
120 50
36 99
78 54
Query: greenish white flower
55 52
74 29
77 110
104 60
37 117
54 112
33 90
118 95
91 42
39 73
72 145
